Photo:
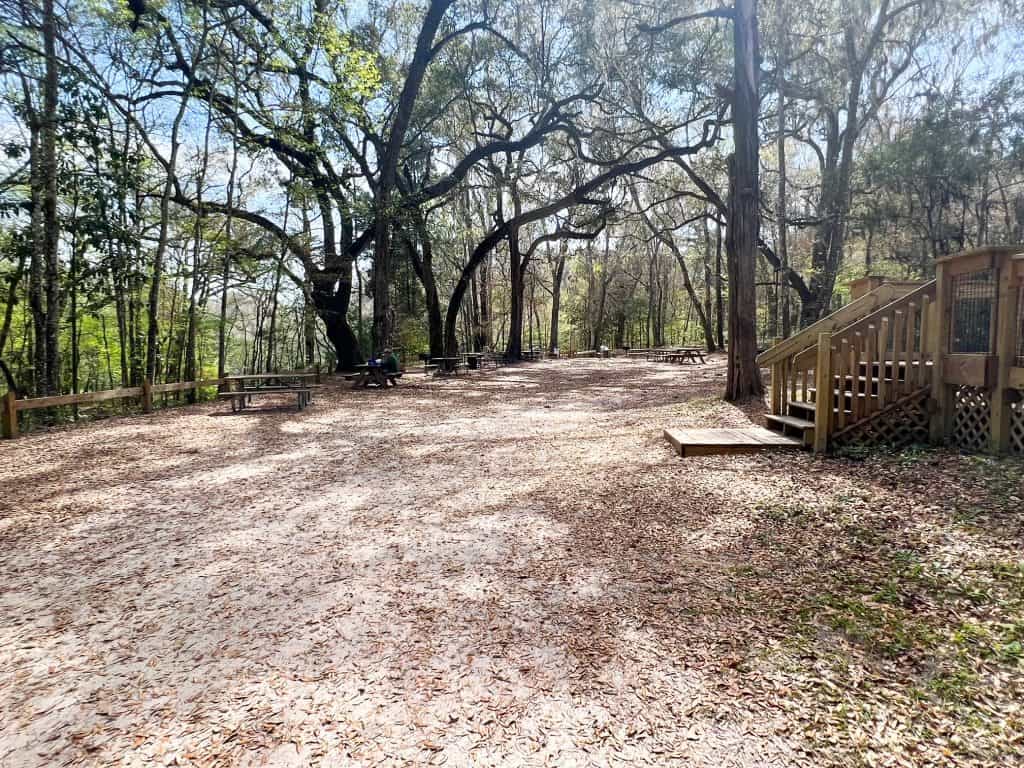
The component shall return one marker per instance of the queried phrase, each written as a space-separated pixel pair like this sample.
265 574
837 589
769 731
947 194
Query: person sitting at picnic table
389 361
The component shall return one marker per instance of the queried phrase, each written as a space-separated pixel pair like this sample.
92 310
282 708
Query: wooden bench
240 399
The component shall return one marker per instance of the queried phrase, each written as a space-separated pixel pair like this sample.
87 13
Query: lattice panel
903 423
972 421
1017 426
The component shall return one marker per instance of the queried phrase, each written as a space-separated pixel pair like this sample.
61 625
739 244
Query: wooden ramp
705 442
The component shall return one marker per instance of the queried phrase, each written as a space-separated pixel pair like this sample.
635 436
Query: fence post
9 416
147 396
823 392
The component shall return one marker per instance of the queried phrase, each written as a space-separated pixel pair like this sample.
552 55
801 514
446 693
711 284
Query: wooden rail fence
11 406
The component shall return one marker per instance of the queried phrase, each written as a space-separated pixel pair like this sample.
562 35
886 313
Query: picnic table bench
241 389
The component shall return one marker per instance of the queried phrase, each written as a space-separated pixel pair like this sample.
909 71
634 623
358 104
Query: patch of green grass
956 685
878 627
856 452
781 513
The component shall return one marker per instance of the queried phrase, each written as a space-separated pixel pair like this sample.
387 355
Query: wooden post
780 370
1005 349
942 395
911 370
923 379
147 396
856 347
871 360
9 416
823 384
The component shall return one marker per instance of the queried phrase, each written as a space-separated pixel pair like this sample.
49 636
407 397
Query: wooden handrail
860 325
807 339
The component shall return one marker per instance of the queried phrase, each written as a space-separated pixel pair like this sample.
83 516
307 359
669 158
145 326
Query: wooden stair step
790 421
800 405
706 442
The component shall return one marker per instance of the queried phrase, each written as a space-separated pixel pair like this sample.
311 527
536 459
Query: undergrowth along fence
11 405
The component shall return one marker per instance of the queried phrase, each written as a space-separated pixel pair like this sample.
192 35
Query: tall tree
744 375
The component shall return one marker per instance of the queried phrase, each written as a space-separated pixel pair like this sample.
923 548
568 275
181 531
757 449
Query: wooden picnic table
473 360
241 388
446 364
374 374
259 380
686 355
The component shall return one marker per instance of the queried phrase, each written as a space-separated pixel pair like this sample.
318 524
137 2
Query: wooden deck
705 442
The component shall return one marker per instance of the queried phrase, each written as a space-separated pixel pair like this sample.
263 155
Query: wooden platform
705 442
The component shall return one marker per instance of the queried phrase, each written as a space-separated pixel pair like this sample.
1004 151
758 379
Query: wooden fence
11 406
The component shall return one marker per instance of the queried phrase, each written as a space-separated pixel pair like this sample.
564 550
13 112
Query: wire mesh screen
1020 327
974 304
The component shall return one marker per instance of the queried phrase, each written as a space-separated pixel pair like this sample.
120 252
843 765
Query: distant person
389 361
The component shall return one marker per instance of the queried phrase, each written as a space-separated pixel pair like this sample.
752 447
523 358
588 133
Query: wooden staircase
873 359
862 375
860 398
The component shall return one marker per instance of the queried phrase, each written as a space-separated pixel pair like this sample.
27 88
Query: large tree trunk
383 320
744 375
191 374
36 264
781 248
423 266
557 274
153 332
514 349
51 231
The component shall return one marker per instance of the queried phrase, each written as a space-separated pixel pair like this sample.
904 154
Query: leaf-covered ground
505 569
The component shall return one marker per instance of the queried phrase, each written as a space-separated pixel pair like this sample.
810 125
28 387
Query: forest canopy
195 187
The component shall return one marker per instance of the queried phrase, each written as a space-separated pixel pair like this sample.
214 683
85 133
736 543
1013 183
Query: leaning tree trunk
744 375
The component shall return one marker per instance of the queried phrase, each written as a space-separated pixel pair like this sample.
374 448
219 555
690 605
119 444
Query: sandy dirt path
507 569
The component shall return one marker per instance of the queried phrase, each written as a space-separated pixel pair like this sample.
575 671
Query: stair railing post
823 385
778 384
9 416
